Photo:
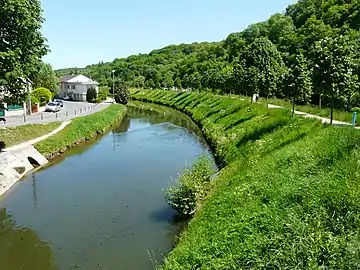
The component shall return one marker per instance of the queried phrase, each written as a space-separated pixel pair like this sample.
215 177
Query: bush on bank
81 129
288 194
191 187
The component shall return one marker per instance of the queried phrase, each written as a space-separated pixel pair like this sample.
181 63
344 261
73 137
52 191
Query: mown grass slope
288 194
81 129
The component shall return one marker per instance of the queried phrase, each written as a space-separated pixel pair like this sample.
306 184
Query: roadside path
322 119
71 110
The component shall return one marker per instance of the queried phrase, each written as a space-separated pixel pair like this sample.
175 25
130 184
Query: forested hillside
311 50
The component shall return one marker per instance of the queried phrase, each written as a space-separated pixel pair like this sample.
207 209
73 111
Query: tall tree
299 78
21 45
335 66
262 66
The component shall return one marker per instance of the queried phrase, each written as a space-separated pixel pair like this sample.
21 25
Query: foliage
44 95
287 196
21 46
34 100
81 129
20 134
91 94
191 187
121 92
46 77
103 94
261 58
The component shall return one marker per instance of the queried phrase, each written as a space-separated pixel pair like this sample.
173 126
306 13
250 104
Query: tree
21 45
91 94
168 81
46 77
121 92
261 67
299 81
335 66
43 95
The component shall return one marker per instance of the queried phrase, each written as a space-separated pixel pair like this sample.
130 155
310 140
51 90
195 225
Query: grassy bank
81 129
288 194
16 135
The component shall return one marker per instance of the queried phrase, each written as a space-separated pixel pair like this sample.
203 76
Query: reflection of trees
123 125
21 248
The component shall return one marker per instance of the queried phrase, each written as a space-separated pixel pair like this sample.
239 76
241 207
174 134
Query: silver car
52 107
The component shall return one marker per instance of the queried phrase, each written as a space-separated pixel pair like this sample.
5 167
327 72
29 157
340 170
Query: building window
68 86
73 87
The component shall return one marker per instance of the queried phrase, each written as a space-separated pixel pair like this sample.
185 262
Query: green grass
81 129
287 196
16 135
313 109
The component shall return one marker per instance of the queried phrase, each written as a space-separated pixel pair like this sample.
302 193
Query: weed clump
191 188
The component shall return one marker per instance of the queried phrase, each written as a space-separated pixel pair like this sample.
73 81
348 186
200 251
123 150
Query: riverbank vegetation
81 129
309 54
16 135
188 191
287 195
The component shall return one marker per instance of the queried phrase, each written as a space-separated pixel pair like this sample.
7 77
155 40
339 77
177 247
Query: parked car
52 107
60 102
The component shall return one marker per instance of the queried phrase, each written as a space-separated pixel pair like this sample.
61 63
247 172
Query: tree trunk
332 108
293 106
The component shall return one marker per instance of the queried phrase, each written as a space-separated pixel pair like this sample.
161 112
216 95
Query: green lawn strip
16 135
287 197
81 129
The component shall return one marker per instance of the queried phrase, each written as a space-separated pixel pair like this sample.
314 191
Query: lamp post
113 94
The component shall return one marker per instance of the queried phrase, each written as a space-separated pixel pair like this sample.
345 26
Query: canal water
101 205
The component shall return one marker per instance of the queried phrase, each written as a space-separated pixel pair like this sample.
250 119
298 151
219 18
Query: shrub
121 93
91 94
191 188
34 100
103 94
44 95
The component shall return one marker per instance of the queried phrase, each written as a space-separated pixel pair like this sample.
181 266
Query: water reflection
21 248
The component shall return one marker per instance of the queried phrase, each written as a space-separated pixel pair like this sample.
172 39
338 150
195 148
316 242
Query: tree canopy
21 45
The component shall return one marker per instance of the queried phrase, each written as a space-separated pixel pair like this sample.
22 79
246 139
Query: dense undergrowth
81 129
288 194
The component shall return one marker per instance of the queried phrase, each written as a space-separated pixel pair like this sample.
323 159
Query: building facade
75 87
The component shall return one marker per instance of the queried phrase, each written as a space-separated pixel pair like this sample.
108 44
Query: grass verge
16 135
287 196
81 129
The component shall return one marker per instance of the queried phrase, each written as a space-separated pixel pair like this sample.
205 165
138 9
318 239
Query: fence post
80 111
75 111
56 115
42 116
24 117
66 113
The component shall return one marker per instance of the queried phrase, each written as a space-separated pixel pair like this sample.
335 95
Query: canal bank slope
288 194
81 129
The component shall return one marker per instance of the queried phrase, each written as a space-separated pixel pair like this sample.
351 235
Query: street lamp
113 73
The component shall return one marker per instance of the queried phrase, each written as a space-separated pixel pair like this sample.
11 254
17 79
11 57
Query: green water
101 206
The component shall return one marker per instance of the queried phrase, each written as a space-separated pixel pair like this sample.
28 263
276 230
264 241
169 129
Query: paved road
69 111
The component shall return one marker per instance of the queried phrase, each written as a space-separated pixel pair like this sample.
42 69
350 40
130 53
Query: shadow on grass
238 122
258 133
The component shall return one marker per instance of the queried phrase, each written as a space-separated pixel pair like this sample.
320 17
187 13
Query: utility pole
113 73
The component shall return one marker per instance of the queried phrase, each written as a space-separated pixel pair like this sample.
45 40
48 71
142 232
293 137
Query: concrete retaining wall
17 163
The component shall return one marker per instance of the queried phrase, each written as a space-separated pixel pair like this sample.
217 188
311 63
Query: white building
75 87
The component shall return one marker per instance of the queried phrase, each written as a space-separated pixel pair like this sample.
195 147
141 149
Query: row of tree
309 53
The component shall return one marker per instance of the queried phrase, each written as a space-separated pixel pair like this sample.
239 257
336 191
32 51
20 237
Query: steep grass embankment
288 194
81 129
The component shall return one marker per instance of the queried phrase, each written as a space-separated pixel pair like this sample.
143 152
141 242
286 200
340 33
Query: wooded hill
311 50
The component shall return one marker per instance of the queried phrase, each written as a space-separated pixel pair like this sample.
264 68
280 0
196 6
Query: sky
84 32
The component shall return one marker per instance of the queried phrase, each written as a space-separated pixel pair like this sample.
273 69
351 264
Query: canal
101 205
